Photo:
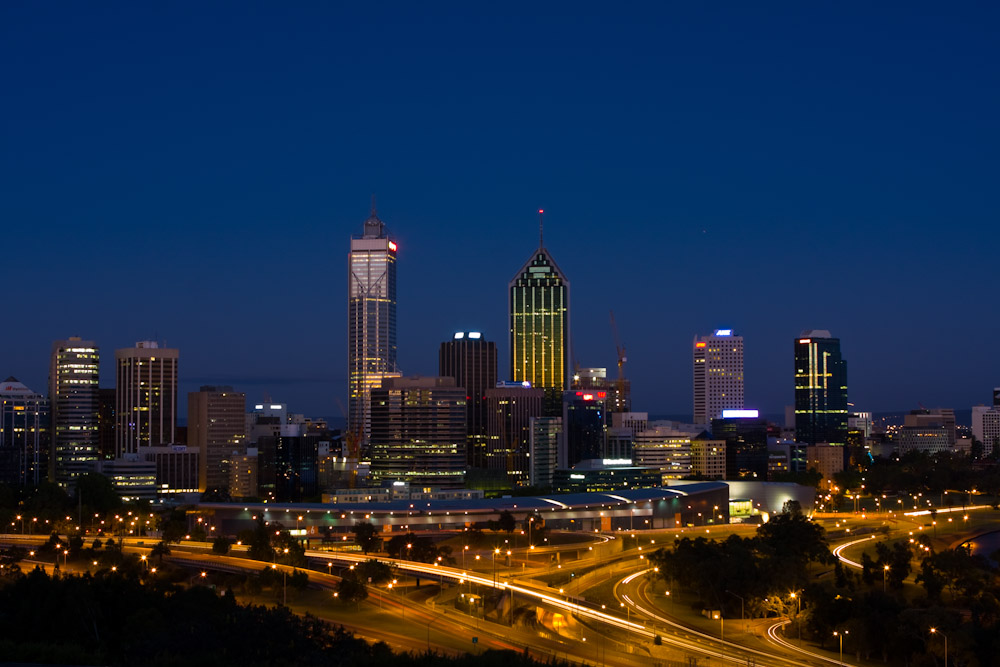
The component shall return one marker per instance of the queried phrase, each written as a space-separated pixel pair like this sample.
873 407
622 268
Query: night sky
195 174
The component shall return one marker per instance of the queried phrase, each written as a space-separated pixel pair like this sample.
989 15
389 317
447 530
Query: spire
541 216
373 206
374 228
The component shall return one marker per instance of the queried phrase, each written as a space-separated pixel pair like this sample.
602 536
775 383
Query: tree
506 522
221 545
374 572
97 493
172 525
159 550
365 536
350 589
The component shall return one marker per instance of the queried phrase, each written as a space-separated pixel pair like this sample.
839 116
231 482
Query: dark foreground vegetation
114 619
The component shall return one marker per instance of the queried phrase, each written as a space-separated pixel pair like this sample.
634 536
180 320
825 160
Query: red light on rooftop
602 394
541 210
699 344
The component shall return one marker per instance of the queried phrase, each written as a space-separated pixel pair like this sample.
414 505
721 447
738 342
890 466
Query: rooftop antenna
541 220
373 204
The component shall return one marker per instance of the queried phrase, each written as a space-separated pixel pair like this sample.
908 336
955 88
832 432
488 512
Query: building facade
510 407
217 428
24 434
145 397
986 424
371 323
538 304
718 375
418 432
74 399
585 426
820 389
543 450
472 361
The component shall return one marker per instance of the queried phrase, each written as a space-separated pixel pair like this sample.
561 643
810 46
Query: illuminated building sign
699 345
805 341
740 414
392 246
723 332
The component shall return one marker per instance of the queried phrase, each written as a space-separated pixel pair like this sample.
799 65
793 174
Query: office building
243 474
708 457
176 468
472 361
74 401
619 391
418 432
510 407
718 374
538 303
543 450
664 446
746 437
107 445
371 323
24 434
827 460
132 476
936 418
585 426
820 390
145 397
986 424
606 475
929 439
216 427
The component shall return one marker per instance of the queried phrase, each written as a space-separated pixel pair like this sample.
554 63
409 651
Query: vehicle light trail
838 552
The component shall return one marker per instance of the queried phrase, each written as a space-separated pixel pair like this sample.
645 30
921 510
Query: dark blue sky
195 174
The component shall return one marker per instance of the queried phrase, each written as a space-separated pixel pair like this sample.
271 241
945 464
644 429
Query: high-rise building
746 442
543 447
418 432
538 303
820 389
718 375
107 446
74 401
371 322
24 423
986 424
217 428
663 446
145 397
510 407
472 361
585 426
619 392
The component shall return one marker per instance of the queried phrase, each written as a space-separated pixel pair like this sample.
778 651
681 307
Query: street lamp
885 575
841 636
938 632
742 616
798 610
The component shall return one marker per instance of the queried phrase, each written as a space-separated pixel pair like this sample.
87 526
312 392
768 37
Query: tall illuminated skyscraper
538 301
145 397
74 398
820 389
371 322
718 375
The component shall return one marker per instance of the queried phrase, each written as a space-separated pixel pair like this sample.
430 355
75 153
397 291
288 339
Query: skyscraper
145 397
73 400
371 322
718 375
820 389
510 408
472 361
24 422
418 432
538 303
217 427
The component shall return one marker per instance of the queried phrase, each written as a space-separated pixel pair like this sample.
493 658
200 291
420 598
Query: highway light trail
838 552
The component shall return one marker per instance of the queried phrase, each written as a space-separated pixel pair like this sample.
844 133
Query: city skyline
693 175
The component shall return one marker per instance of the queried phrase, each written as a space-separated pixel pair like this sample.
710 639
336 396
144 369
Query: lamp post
885 576
743 618
628 619
938 632
798 610
841 636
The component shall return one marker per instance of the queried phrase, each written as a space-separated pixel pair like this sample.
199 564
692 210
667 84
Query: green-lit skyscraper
538 300
820 389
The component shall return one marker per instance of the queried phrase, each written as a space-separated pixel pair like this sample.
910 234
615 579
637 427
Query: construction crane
620 382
